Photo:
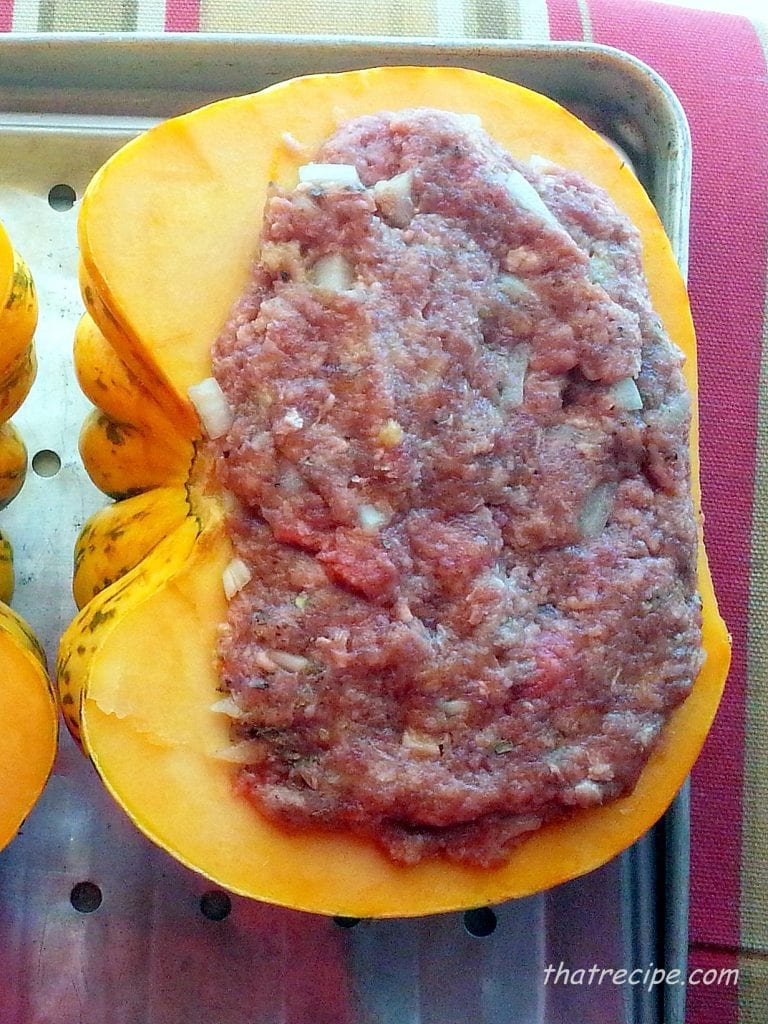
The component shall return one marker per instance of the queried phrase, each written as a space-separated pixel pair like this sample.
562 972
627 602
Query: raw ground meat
473 596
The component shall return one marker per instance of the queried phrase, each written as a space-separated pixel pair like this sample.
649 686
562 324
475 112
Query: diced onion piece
526 196
600 270
394 198
599 771
264 662
454 707
284 796
333 272
525 823
228 501
584 794
541 164
625 395
419 744
646 735
291 480
245 752
391 434
596 511
676 409
513 388
370 518
403 610
292 144
212 407
235 577
290 662
293 418
330 174
513 287
226 706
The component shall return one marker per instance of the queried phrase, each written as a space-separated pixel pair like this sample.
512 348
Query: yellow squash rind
116 538
29 738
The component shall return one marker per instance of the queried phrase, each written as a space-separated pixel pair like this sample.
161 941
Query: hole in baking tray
480 922
61 198
85 897
215 905
346 922
46 462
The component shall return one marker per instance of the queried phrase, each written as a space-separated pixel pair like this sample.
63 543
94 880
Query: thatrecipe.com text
648 977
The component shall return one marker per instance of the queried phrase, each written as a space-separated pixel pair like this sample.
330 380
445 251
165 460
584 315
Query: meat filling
459 466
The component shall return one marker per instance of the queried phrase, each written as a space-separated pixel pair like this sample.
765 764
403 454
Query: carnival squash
28 740
167 233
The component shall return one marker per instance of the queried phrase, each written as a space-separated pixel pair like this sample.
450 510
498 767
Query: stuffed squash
402 609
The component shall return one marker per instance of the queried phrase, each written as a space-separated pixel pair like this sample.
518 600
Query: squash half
28 740
167 231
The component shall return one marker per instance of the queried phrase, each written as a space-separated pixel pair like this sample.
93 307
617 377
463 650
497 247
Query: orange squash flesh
167 232
29 735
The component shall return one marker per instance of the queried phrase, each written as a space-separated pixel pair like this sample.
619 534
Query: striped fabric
717 66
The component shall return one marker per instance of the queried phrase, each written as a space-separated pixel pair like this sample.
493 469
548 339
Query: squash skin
28 743
18 319
6 570
13 463
116 391
129 443
16 382
116 538
28 748
319 872
123 459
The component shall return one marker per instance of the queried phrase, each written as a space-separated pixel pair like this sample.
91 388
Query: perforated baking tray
98 925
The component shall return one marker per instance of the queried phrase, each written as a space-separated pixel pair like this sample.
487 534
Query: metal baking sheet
97 924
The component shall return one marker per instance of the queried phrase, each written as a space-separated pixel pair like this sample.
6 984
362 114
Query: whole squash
28 742
167 232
